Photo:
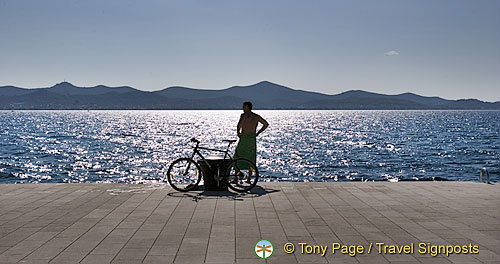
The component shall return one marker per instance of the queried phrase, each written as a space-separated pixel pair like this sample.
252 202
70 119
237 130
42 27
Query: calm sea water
137 146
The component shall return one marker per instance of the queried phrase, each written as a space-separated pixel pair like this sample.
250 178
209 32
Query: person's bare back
249 121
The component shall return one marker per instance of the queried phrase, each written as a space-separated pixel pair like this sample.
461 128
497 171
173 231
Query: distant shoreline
263 95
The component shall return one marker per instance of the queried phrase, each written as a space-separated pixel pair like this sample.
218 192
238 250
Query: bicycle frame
233 172
196 151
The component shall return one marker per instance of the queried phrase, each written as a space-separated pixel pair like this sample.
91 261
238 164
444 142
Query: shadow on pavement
201 193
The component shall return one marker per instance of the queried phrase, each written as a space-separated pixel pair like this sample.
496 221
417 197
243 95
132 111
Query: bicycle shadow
207 194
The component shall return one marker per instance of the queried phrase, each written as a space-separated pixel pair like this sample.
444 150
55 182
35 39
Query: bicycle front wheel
242 175
184 174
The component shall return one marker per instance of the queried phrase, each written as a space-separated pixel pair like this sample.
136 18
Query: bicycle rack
484 170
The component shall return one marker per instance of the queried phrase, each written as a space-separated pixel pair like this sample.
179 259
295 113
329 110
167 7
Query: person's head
247 106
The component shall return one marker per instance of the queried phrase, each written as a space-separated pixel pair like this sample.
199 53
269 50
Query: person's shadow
201 193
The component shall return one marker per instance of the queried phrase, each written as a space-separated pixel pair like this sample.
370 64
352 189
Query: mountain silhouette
262 91
264 95
66 88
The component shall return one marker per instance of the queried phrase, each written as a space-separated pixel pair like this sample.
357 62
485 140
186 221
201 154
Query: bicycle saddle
229 140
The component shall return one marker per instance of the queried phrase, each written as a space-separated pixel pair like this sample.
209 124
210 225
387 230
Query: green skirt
247 148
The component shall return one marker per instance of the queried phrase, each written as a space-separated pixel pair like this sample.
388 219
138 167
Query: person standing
247 133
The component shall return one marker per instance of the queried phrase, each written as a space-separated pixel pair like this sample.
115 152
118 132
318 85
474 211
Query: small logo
263 249
289 248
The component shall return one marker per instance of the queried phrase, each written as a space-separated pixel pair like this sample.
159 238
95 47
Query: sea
302 146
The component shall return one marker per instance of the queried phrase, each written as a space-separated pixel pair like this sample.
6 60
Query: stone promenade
103 223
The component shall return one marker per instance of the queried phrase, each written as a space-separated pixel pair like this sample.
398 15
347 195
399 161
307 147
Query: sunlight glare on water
138 146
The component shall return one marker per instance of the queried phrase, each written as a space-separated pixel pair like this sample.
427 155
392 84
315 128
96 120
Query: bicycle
184 174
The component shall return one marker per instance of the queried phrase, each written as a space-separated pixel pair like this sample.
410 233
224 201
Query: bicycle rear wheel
184 174
242 175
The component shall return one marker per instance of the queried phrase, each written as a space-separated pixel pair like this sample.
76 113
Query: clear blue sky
445 48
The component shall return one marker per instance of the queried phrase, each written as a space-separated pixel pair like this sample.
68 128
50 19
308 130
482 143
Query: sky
440 48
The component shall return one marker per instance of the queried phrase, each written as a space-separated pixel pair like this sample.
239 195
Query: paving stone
103 223
97 259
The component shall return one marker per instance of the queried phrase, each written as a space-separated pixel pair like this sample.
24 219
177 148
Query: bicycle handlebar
225 140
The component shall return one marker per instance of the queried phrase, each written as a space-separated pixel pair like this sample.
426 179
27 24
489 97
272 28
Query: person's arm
238 128
264 124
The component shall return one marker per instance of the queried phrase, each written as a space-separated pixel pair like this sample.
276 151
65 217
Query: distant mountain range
264 95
